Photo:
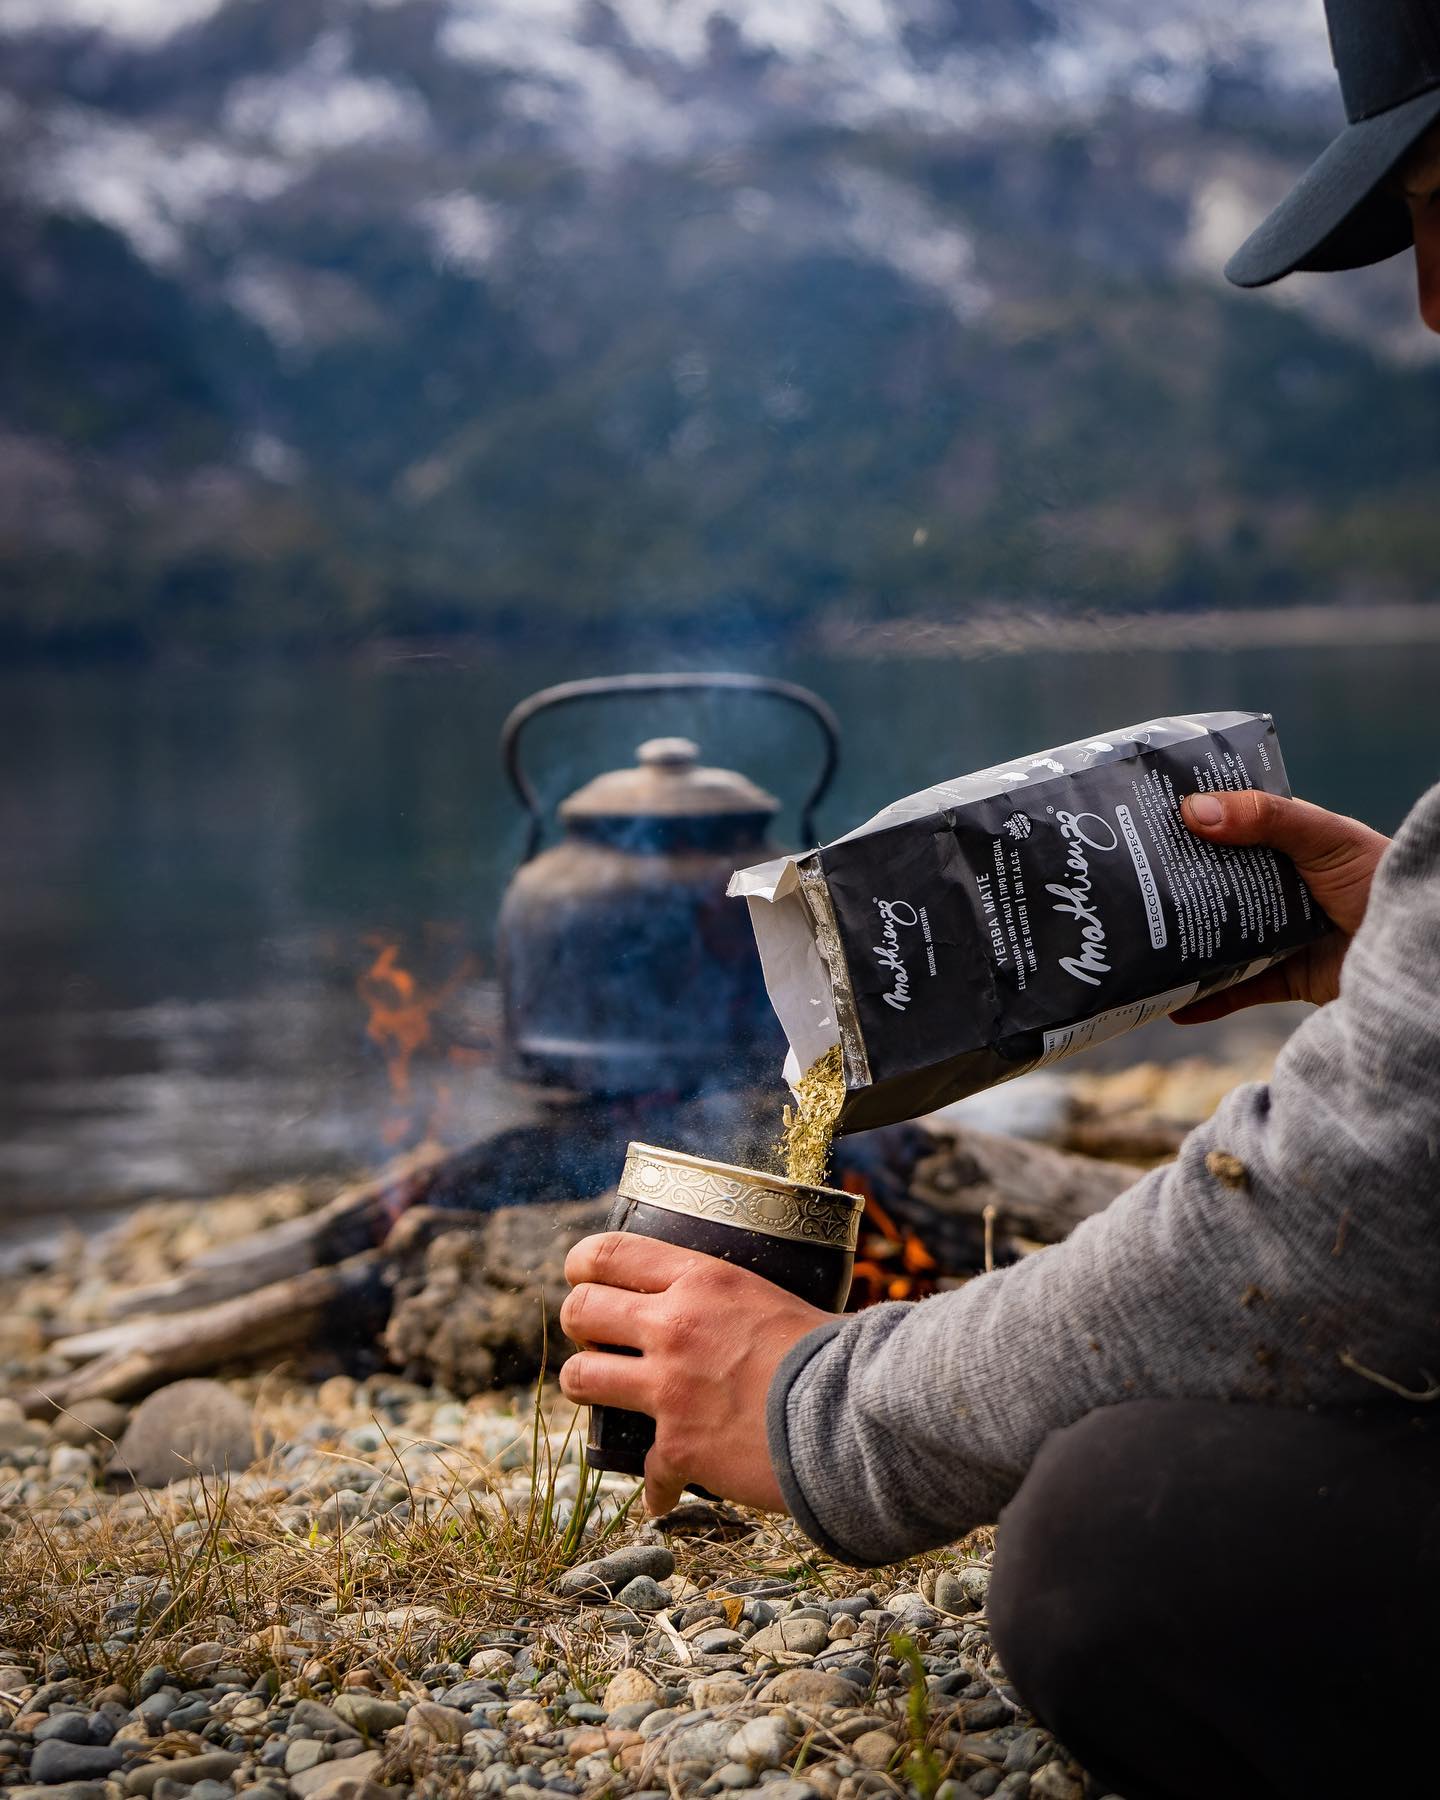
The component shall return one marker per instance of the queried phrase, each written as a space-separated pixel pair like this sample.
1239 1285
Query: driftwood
121 1362
421 1263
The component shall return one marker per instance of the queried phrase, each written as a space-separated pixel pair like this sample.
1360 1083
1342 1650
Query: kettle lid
668 782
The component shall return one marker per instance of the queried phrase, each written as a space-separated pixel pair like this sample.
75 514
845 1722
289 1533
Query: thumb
1336 855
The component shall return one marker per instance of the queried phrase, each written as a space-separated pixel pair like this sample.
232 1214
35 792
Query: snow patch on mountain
635 85
149 186
320 105
136 21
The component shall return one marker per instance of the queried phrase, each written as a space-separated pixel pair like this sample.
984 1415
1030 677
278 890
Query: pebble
65 1790
628 1686
213 1766
790 1637
951 1594
56 1761
761 1743
187 1428
325 1777
72 1727
491 1661
874 1749
435 1724
642 1593
368 1712
304 1753
813 1688
604 1577
714 1691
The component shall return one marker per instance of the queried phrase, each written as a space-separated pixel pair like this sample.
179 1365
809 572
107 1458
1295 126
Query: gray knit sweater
902 1427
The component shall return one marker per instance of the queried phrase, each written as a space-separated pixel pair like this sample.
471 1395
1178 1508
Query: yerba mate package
996 923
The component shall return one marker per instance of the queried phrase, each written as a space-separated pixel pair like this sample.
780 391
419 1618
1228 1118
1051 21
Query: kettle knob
668 753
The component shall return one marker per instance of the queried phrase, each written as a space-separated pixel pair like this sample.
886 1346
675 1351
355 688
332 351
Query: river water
200 866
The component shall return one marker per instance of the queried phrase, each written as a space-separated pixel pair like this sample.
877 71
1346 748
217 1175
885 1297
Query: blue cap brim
1341 214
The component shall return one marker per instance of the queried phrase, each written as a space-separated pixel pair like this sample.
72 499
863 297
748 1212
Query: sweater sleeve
1293 1268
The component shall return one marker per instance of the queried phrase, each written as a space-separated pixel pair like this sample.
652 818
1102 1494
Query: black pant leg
1205 1600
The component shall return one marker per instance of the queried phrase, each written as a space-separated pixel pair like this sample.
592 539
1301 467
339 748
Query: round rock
628 1686
188 1428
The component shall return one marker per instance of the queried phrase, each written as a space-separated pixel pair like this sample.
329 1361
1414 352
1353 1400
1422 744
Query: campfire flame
402 1017
891 1261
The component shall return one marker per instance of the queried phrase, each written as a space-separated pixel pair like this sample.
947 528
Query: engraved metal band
801 1214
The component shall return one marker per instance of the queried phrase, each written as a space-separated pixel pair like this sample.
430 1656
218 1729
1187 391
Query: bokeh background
365 364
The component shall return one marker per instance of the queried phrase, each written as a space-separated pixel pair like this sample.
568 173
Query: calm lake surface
201 866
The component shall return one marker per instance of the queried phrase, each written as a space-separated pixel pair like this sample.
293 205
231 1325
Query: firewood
1038 1195
345 1301
354 1221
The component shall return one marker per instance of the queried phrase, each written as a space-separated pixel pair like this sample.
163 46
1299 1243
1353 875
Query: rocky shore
405 1593
325 1580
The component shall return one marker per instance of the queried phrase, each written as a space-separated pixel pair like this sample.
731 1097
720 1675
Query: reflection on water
198 862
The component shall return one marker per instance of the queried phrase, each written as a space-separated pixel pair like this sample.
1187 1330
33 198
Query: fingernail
1205 809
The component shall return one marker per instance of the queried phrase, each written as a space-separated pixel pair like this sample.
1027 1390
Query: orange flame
883 1243
401 1020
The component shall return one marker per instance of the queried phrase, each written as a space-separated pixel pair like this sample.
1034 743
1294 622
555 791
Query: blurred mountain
327 319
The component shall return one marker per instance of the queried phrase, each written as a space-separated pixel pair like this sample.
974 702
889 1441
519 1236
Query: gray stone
1015 1787
791 1789
466 1694
605 1576
369 1713
790 1637
718 1641
704 1743
65 1790
213 1765
313 1715
56 1761
213 1790
1055 1783
735 1775
812 1689
188 1428
71 1727
628 1717
951 1593
304 1753
643 1594
90 1422
326 1776
18 1437
985 1714
656 1723
762 1743
158 1706
874 1749
1029 1751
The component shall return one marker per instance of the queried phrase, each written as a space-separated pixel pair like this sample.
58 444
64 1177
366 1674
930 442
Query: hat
1342 213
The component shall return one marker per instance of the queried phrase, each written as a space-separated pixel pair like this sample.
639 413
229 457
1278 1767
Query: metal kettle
623 967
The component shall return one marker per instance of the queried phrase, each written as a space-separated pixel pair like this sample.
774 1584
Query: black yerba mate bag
996 923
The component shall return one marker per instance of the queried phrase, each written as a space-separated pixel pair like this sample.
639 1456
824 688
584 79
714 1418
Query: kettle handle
601 686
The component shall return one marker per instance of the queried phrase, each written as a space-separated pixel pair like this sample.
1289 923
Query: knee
1072 1557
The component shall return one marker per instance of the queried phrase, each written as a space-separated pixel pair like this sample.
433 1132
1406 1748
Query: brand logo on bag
1017 825
894 915
1082 832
